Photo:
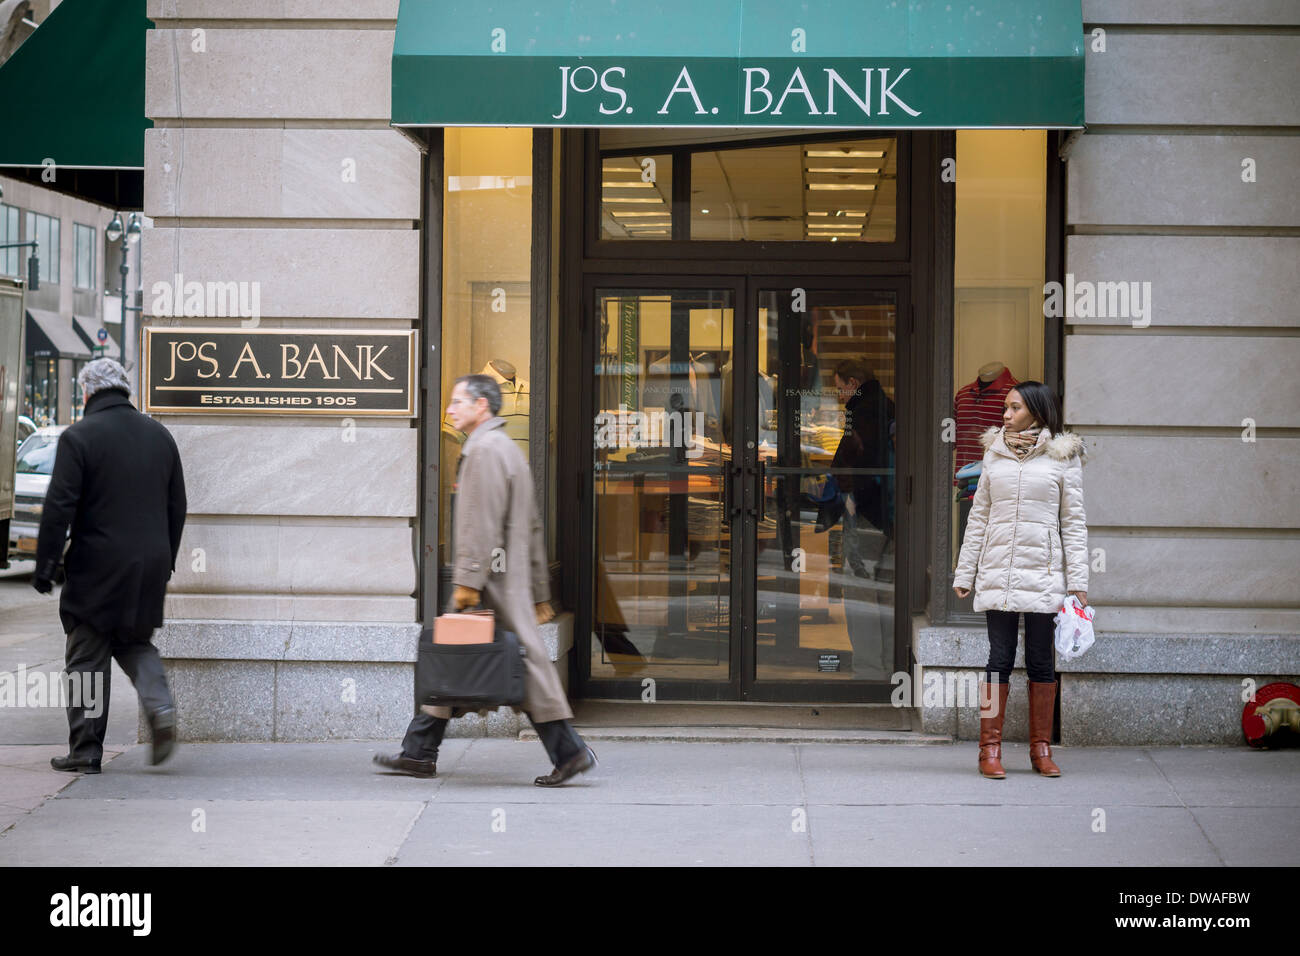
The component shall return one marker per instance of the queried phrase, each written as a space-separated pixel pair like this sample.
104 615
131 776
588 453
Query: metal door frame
813 691
741 684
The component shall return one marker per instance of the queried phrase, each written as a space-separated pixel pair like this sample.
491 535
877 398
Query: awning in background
88 328
891 64
73 92
52 334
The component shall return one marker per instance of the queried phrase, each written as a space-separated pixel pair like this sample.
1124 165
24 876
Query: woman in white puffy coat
1026 546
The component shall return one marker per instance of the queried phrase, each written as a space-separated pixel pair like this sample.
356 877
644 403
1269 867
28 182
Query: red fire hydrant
1273 716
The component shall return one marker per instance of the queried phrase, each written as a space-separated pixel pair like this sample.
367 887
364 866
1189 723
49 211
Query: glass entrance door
744 492
823 393
663 476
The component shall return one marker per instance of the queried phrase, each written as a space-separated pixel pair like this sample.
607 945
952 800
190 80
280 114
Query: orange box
475 627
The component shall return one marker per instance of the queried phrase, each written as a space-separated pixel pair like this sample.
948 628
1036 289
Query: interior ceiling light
843 170
705 211
845 153
639 199
811 186
812 213
630 184
630 213
855 213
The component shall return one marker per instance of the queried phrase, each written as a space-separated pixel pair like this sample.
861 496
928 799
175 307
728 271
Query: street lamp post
128 237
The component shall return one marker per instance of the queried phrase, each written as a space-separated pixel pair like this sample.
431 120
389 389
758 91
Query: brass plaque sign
280 371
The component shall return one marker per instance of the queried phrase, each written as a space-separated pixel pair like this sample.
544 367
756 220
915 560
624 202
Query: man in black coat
867 519
865 445
117 482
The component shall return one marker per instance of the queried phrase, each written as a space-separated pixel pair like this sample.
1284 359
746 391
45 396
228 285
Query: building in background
67 312
71 111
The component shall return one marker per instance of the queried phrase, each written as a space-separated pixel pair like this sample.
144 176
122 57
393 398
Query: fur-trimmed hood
1062 447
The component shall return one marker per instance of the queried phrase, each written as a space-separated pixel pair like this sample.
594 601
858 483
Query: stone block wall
1195 532
1186 180
292 614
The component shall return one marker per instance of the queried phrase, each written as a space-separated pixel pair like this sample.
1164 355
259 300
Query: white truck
12 364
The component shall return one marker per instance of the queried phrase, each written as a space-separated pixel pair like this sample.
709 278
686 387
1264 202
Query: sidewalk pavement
654 803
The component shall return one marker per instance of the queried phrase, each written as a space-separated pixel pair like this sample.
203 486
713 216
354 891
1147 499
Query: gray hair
482 386
102 373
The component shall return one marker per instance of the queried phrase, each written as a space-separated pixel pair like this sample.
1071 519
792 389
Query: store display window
486 283
43 390
998 269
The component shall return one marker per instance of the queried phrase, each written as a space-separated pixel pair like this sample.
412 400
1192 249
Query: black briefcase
470 676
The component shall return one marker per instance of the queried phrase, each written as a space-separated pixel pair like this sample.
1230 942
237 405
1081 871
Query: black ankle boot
569 753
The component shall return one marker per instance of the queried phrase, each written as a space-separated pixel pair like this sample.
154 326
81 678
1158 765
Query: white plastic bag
1073 629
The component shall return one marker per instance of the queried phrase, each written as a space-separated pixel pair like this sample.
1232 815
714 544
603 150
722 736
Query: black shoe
163 727
75 766
579 763
410 766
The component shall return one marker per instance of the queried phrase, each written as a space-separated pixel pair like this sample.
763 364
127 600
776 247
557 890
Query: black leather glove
44 585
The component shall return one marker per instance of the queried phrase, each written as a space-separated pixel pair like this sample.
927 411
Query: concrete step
765 735
723 714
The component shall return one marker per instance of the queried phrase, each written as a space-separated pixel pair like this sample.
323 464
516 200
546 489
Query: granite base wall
1128 689
259 681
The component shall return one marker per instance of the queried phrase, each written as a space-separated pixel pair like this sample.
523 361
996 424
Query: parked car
33 469
25 428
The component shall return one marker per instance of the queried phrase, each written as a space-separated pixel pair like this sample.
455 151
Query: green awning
845 64
49 333
74 91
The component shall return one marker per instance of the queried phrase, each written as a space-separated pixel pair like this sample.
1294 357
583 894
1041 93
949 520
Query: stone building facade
294 611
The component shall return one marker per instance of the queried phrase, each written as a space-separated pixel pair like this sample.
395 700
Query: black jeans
1040 661
91 652
424 736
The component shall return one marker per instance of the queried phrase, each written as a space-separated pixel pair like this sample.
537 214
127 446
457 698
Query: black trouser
424 736
92 652
1040 663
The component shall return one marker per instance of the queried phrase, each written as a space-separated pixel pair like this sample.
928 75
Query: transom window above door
780 189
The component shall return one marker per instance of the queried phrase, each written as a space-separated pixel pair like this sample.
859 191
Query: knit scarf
1022 442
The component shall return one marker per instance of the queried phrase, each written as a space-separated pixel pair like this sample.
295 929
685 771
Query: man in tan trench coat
494 510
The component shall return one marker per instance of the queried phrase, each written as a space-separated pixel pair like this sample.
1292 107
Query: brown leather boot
991 696
1042 707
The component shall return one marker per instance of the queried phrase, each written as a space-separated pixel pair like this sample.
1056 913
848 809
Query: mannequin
514 400
501 370
978 406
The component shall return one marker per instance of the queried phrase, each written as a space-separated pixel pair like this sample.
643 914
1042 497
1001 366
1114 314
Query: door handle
726 492
730 500
759 511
